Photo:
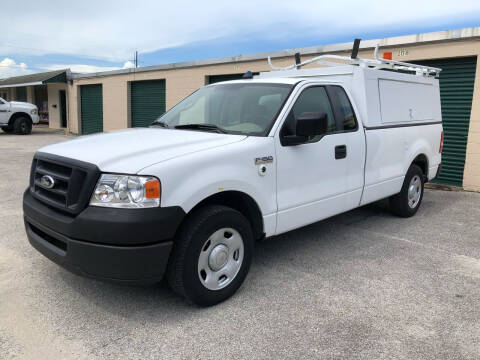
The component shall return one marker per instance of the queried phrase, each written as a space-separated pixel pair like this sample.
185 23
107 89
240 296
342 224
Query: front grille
73 182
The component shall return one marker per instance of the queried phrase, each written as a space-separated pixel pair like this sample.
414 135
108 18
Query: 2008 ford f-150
232 163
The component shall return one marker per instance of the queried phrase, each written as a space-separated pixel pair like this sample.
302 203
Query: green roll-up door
91 108
147 101
456 92
21 93
212 79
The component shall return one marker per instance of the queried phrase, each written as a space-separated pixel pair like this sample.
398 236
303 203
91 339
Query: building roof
35 79
425 38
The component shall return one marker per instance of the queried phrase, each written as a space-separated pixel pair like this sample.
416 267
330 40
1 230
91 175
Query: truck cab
17 117
233 163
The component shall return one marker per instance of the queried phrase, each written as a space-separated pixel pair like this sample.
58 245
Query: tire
210 237
7 129
408 200
22 126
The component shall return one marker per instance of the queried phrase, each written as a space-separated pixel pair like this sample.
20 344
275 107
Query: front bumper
124 245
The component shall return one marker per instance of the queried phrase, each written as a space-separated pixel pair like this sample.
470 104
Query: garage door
91 108
212 79
456 92
147 101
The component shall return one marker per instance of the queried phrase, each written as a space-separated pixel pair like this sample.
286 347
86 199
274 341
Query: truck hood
23 104
129 151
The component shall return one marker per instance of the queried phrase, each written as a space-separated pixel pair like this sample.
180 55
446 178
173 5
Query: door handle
340 152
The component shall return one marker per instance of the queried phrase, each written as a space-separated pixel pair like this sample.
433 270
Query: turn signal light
152 189
441 144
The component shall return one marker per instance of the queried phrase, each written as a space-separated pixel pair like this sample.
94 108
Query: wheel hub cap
414 191
218 257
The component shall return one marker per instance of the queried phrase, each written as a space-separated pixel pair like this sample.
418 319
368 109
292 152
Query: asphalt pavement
361 285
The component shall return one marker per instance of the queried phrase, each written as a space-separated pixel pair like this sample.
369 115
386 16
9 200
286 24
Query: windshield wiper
207 127
159 123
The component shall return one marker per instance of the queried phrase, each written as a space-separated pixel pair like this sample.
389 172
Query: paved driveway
361 285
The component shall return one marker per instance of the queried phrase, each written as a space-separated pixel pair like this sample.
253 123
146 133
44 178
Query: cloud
9 67
83 68
113 30
128 65
80 68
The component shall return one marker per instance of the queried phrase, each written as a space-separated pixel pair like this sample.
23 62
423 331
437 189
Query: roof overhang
57 76
24 84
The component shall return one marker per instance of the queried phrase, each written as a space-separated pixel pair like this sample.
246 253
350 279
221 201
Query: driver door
4 114
311 177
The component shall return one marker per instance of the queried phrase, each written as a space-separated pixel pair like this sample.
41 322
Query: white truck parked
233 163
17 117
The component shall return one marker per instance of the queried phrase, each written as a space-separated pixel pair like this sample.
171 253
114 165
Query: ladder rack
370 63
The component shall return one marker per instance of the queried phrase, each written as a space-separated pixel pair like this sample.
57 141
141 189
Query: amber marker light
152 189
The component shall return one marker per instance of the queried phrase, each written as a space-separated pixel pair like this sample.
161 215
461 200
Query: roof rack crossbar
375 63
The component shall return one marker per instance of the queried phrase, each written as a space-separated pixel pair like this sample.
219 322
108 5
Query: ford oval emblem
47 181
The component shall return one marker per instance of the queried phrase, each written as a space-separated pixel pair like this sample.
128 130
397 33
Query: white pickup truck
17 117
233 163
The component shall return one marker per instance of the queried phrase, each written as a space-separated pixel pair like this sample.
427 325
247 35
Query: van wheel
22 126
211 256
7 129
408 200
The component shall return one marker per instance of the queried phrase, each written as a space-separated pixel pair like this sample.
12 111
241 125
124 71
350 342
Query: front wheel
211 256
22 126
408 200
7 129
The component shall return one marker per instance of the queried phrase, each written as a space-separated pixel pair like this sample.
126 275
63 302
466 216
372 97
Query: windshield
235 108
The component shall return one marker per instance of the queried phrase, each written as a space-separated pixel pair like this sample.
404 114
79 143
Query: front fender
189 179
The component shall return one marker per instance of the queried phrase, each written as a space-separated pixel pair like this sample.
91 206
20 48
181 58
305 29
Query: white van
232 163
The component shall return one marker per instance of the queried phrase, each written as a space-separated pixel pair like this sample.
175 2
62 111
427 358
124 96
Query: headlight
126 191
33 111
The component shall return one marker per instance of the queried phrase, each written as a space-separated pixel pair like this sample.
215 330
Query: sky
92 36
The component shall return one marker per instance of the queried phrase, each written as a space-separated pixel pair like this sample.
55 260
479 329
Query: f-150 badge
263 160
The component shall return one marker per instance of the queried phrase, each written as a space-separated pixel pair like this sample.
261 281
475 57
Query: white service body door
322 178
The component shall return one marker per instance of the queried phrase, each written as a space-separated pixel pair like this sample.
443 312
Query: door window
312 99
343 108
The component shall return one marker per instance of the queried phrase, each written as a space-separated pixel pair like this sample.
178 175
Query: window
312 99
21 93
343 108
237 108
194 114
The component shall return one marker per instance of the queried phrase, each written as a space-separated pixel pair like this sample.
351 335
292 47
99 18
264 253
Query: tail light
441 144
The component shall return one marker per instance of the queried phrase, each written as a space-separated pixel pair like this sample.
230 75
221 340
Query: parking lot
361 285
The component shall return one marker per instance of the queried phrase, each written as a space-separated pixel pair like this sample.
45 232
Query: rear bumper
108 244
439 169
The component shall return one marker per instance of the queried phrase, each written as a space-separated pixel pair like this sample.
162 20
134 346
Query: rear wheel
211 256
408 200
22 126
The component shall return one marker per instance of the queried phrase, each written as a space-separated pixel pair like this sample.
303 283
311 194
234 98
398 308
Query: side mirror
311 124
308 124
